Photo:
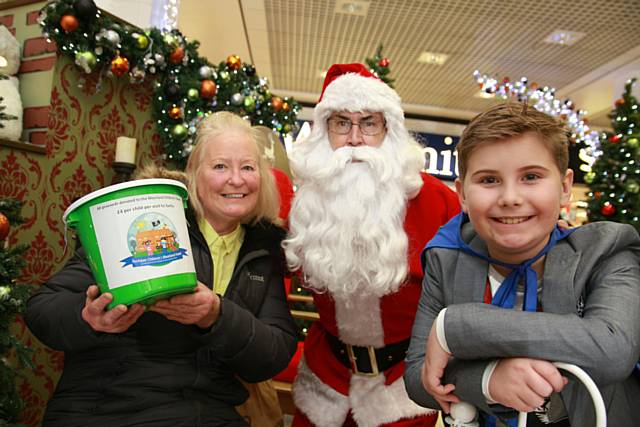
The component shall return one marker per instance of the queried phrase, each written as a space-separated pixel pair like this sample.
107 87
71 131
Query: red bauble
384 62
619 102
175 112
234 62
615 138
4 227
285 106
276 103
120 66
69 23
177 55
208 89
607 209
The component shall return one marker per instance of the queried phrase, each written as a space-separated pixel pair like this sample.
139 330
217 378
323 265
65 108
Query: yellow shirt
224 253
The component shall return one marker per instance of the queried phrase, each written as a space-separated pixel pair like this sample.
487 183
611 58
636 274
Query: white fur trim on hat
353 92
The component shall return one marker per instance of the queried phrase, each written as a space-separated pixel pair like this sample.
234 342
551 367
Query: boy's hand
435 361
523 383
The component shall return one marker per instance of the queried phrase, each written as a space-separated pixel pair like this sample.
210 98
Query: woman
177 363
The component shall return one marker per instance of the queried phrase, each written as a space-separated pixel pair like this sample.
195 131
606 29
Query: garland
187 86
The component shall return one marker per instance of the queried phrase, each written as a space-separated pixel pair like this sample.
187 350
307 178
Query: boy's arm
466 376
605 342
430 304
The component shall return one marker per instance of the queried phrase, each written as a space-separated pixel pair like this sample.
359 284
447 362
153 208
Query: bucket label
142 237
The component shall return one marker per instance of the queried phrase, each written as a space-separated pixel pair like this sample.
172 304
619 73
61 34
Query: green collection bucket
136 239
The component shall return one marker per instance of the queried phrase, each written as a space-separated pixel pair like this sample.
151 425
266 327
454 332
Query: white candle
126 150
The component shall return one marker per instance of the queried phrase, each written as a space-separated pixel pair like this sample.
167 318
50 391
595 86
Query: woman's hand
113 321
200 308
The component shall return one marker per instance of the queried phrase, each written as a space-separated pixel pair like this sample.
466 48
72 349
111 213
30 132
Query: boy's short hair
511 119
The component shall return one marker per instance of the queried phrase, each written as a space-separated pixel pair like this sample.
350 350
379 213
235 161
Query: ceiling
292 41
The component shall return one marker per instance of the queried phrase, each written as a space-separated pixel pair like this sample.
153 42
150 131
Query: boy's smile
513 193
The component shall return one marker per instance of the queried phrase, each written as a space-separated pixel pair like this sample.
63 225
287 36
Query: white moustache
344 156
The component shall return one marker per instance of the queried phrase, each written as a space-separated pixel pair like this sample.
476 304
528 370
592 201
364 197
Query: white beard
346 223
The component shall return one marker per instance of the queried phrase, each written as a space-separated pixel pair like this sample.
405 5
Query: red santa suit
351 371
325 389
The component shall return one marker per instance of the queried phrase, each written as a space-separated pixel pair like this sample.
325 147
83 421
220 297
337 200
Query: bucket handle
601 412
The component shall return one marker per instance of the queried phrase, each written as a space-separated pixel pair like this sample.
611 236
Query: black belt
368 360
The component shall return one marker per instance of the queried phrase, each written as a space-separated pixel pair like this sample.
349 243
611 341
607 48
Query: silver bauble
237 99
205 72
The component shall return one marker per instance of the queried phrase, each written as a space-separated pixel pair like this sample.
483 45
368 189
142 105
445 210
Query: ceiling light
433 58
352 7
564 38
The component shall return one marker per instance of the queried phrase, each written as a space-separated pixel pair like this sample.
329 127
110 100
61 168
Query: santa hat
352 87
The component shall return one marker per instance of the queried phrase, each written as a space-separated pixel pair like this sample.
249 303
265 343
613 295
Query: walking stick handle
598 403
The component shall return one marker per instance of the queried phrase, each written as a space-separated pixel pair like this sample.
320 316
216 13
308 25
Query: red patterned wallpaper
83 125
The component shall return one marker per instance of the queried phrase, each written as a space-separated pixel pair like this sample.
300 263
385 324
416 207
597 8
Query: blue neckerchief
449 237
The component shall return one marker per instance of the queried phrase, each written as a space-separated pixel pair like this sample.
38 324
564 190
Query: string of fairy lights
544 99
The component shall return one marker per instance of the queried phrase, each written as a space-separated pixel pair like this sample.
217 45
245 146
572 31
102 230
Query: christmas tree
13 300
614 179
379 65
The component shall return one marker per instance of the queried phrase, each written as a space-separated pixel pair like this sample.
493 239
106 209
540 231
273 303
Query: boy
506 292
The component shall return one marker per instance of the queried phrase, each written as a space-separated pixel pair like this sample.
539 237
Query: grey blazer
591 318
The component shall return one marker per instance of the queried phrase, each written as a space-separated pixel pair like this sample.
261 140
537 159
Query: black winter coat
160 372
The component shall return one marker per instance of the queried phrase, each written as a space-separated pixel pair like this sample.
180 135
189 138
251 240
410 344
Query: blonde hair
217 124
510 119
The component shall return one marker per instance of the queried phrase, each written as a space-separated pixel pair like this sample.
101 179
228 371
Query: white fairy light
543 99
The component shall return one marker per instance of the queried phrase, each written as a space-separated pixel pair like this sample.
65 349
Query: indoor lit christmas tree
614 179
13 301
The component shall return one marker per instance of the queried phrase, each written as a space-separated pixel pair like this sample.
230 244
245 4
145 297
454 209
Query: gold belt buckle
372 361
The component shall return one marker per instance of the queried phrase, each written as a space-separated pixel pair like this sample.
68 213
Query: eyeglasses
369 127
